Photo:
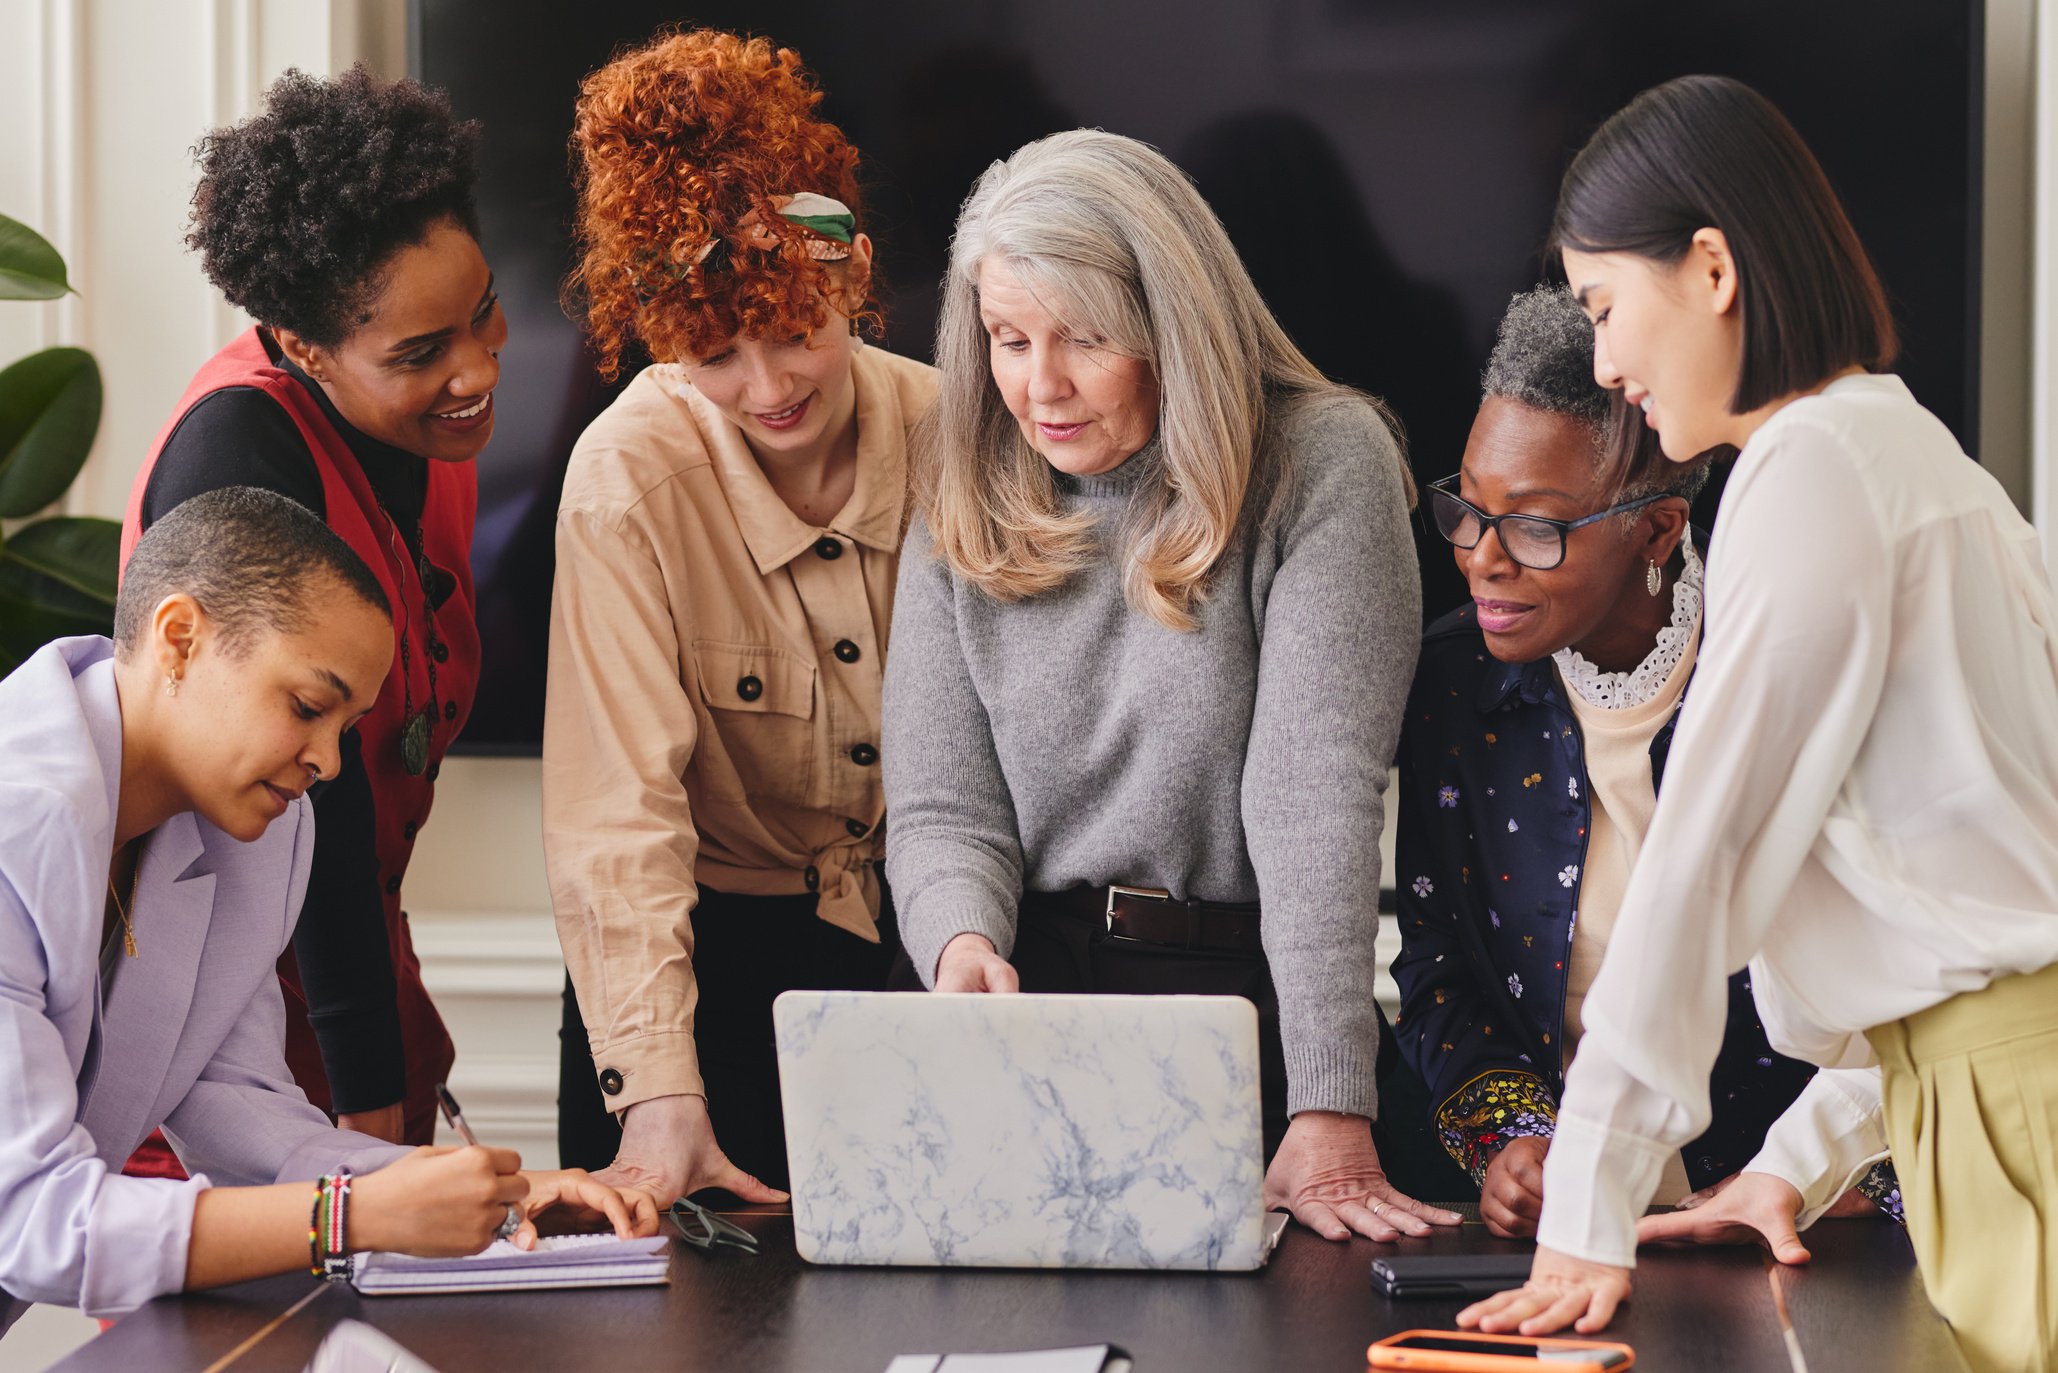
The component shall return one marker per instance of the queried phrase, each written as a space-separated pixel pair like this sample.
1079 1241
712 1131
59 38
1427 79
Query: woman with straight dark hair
1872 821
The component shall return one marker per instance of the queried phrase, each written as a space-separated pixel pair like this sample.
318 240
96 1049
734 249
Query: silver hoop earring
1654 580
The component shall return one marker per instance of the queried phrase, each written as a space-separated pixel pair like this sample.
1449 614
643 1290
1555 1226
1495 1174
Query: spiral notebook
559 1261
1097 1358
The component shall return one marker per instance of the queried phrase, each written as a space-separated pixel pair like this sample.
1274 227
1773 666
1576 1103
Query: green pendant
414 743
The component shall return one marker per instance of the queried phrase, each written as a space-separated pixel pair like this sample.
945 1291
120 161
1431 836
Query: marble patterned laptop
1024 1131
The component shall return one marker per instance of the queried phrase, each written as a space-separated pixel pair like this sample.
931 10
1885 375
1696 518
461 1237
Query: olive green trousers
1971 1091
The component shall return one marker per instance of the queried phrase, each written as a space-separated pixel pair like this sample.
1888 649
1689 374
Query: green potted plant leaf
57 575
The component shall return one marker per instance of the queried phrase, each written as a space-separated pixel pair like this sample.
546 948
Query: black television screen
1386 167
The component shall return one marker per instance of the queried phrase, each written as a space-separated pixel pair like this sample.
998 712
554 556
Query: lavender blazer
188 1035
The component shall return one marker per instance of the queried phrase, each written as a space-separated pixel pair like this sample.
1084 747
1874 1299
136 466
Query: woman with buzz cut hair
156 840
1155 625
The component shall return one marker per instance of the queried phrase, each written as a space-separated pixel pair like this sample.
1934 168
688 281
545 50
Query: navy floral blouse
1493 814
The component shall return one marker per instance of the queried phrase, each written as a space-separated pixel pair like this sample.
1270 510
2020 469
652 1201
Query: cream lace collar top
1625 690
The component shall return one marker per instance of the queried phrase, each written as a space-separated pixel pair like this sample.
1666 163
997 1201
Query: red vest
401 800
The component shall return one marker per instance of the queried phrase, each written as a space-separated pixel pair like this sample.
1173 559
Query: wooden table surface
1859 1306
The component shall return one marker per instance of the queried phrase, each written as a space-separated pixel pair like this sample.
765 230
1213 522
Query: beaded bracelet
314 1227
335 1259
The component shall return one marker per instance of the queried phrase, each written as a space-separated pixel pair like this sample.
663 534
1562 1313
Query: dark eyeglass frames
703 1229
1531 540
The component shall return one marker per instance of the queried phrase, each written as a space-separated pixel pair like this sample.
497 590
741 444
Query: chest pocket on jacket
762 702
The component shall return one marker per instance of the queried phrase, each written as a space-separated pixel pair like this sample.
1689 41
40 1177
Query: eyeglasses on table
703 1229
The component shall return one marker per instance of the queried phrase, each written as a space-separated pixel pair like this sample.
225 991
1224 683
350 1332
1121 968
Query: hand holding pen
455 1115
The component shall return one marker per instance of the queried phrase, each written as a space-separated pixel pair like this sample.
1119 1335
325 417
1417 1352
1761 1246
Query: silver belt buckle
1147 893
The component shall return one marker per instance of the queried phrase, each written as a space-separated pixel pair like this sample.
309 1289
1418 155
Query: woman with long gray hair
1152 636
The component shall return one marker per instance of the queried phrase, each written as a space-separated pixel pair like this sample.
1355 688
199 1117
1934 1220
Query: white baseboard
497 977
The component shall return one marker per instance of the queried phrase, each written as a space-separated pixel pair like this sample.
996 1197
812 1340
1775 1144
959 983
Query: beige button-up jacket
701 723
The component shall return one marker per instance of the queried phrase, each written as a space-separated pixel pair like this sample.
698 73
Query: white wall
2044 278
103 103
480 912
2008 227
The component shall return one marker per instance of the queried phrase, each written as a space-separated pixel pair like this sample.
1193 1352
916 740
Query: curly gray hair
1544 358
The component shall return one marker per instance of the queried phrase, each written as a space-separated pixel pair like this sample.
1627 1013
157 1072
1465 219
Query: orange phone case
1384 1355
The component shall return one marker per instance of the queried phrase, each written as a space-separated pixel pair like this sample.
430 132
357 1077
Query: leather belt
1150 915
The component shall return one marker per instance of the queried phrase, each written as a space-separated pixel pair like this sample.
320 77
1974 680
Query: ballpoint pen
455 1116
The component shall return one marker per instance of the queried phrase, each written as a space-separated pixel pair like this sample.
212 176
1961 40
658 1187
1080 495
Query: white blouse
1861 803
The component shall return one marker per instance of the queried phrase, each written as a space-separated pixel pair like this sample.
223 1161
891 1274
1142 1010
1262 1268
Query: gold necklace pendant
128 930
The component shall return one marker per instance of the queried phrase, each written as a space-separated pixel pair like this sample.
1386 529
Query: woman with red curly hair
727 545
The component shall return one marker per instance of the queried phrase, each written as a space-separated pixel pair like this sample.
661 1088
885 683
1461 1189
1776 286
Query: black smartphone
1449 1275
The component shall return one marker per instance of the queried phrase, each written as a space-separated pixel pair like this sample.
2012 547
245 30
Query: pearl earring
171 685
1654 580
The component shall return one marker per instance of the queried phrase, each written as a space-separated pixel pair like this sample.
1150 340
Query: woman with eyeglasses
1533 750
1863 797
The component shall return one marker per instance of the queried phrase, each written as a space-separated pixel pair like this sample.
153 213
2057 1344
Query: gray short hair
1544 357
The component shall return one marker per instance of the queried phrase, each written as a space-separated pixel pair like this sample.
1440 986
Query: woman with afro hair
341 219
727 545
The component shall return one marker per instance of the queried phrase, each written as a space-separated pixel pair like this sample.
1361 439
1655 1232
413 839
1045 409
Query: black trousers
746 951
1057 951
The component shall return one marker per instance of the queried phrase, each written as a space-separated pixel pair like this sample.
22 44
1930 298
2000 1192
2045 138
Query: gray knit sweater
1068 739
